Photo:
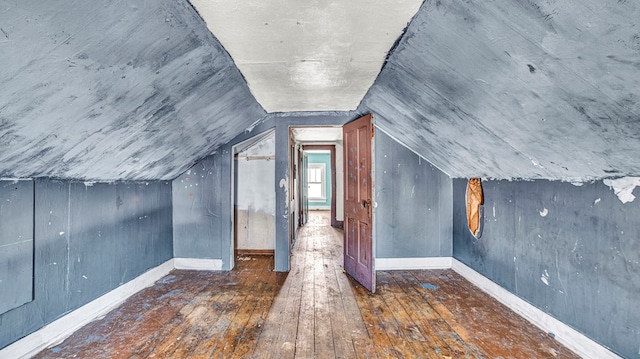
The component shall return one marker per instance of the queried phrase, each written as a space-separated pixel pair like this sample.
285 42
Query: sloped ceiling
517 89
115 90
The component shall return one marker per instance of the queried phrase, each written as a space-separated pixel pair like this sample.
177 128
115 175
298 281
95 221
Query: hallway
315 311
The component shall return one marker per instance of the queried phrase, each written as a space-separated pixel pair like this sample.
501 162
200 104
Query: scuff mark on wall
623 187
544 212
545 277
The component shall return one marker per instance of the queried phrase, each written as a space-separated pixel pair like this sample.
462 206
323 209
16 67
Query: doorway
254 197
317 173
352 147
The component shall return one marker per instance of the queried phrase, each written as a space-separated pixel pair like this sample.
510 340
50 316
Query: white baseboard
57 331
413 263
564 334
197 264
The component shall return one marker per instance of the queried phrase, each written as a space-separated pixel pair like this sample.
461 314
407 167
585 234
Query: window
316 181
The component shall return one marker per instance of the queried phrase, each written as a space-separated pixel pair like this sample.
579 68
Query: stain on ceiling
141 90
114 90
517 89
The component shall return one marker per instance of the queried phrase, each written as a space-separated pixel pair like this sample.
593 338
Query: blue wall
326 159
16 243
572 251
89 239
413 216
197 211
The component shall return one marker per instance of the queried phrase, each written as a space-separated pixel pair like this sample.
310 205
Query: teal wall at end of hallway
326 159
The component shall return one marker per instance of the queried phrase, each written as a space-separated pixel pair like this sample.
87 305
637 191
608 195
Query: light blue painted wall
326 159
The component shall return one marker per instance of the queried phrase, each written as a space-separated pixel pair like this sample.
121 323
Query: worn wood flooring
316 311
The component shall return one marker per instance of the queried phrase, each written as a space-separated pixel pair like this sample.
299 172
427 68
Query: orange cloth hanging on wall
474 200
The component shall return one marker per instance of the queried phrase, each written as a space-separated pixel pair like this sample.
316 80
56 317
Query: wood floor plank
443 339
401 310
355 331
304 343
323 329
249 337
342 330
287 321
273 321
221 318
489 324
360 335
233 335
400 344
376 327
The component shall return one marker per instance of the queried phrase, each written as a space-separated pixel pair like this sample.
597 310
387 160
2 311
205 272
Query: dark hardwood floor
315 311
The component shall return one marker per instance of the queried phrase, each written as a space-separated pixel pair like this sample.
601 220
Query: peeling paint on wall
623 187
545 277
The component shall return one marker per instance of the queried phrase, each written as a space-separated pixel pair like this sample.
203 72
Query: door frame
332 153
235 149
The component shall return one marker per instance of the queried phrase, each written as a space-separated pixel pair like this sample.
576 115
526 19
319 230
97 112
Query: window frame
323 181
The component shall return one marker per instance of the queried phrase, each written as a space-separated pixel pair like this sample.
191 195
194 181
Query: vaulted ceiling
141 89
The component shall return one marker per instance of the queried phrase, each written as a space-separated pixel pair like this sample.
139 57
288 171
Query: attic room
122 128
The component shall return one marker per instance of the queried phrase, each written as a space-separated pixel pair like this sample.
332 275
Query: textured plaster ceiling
309 55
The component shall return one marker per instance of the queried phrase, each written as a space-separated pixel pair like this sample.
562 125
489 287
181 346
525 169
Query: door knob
366 203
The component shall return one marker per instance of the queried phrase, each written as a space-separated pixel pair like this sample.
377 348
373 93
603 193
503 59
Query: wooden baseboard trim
57 331
569 337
